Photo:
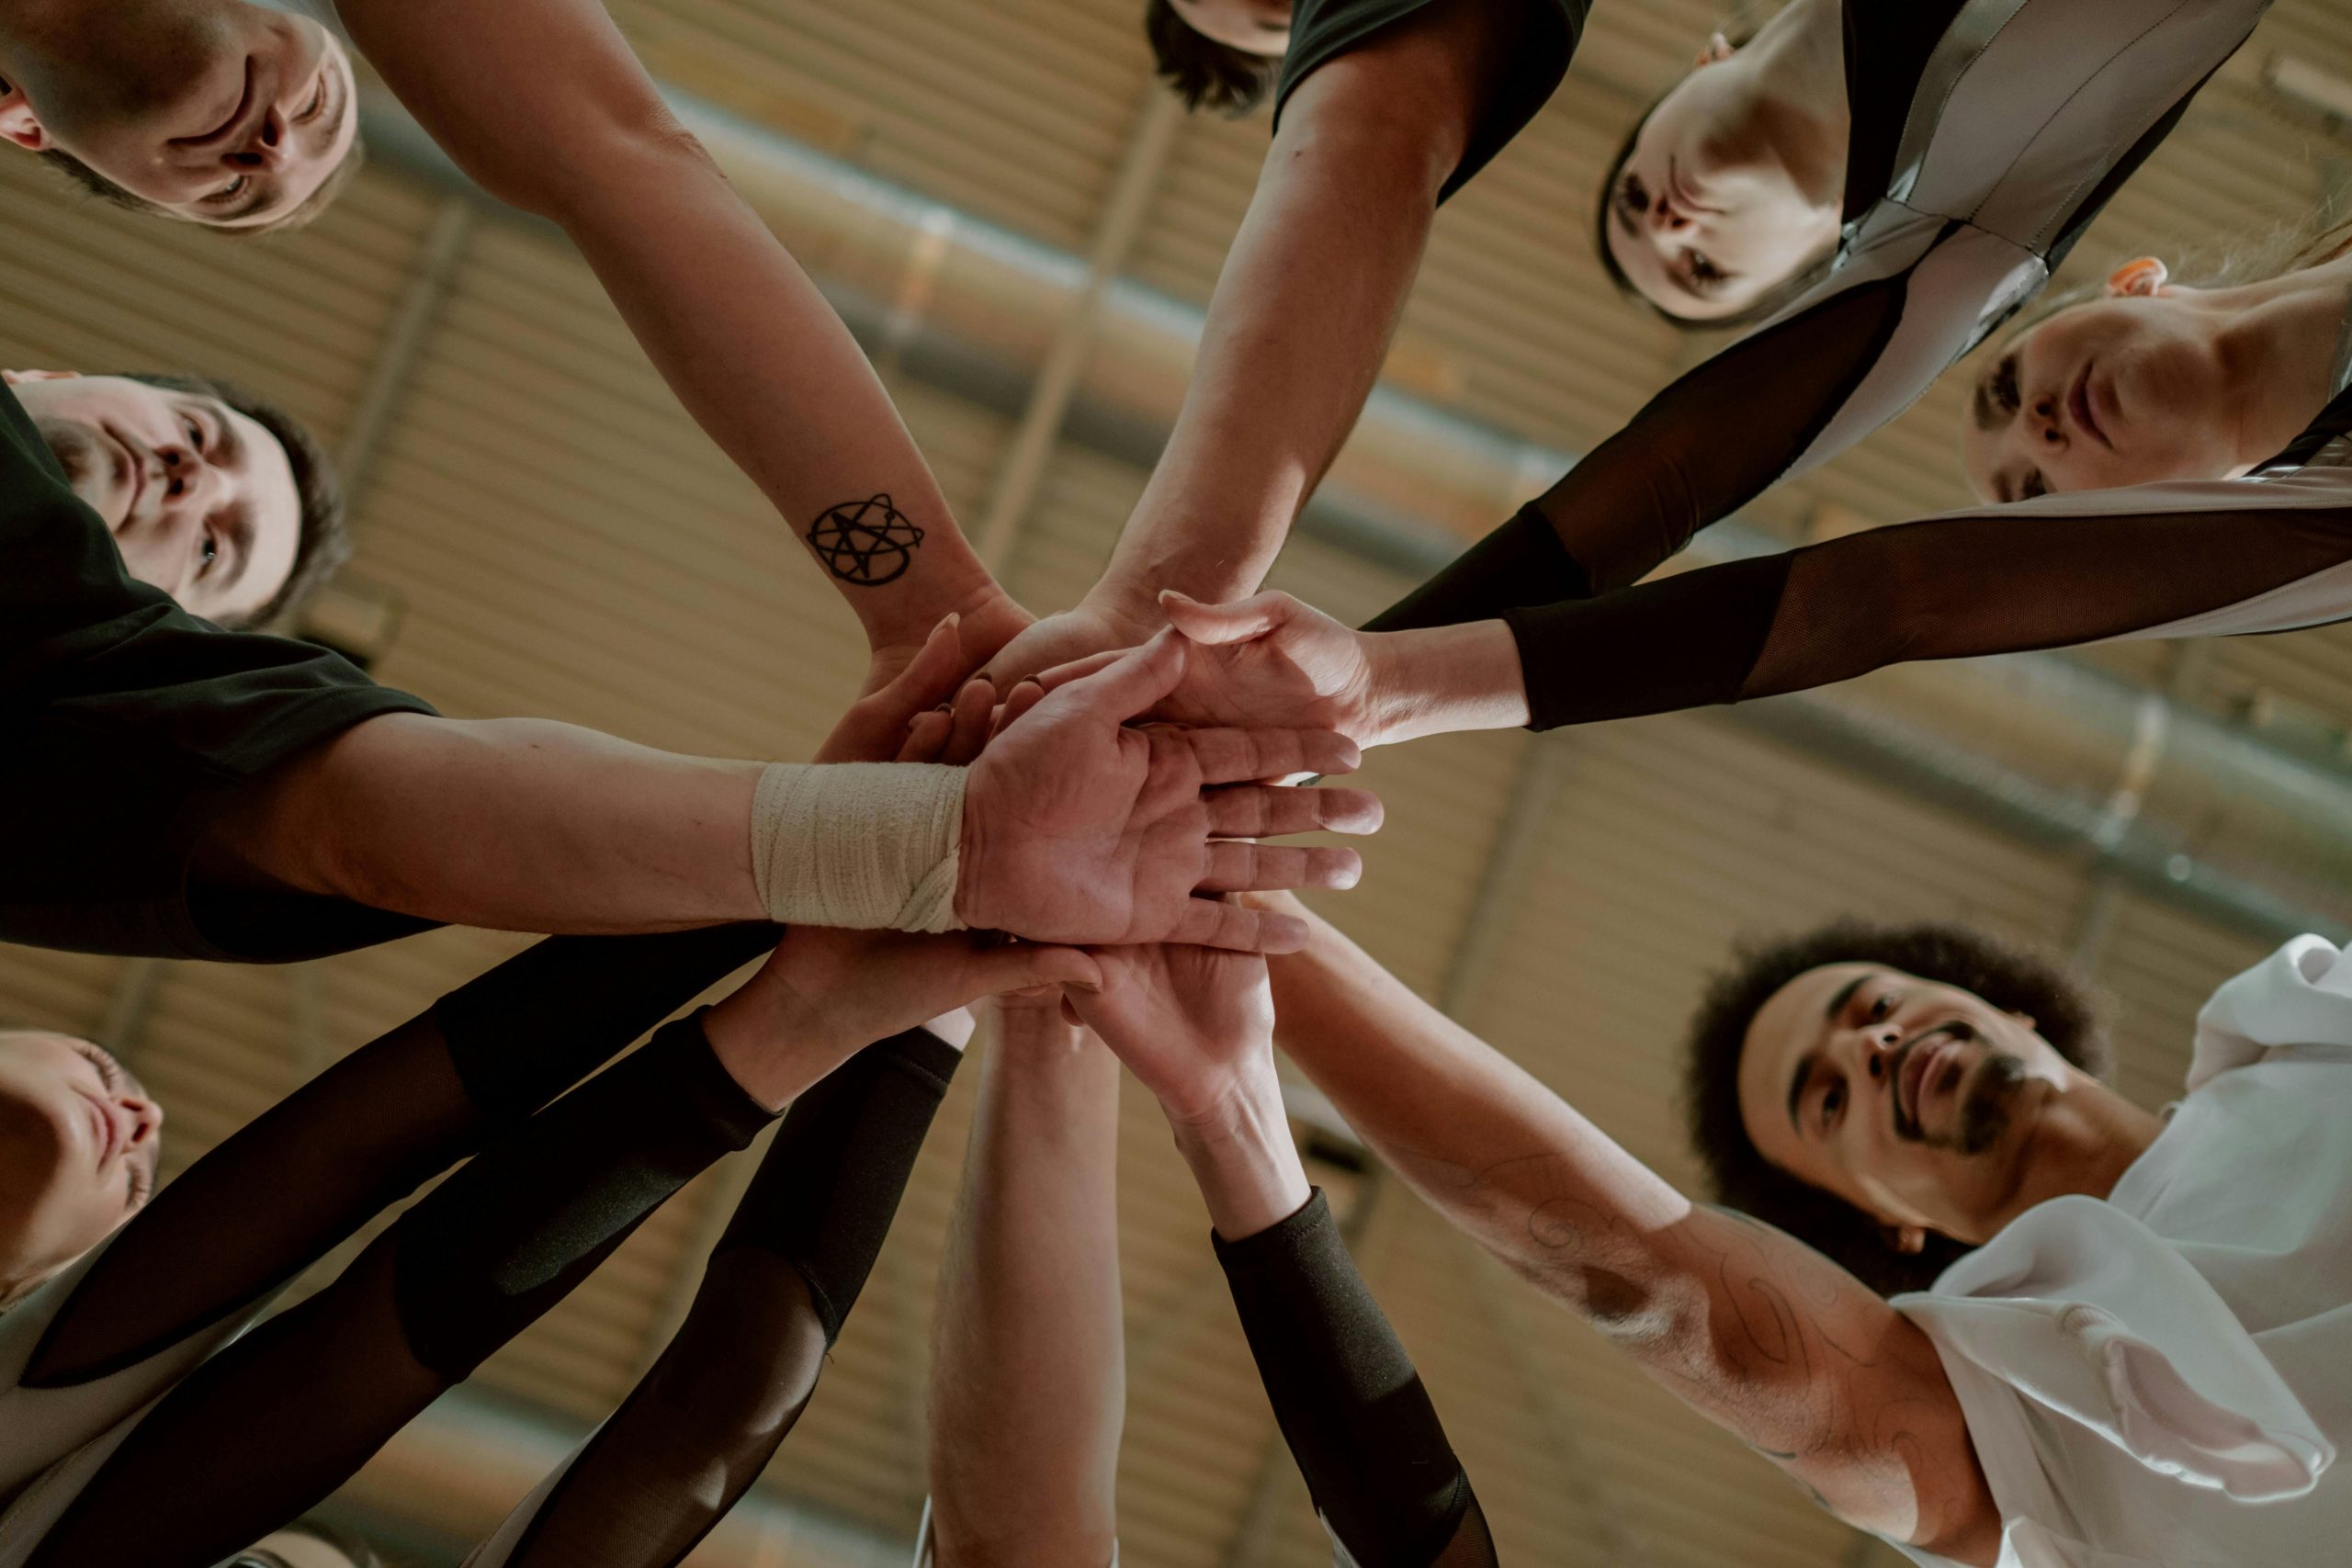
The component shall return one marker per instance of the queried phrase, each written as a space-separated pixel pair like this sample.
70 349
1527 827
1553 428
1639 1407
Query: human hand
987 619
1195 1024
1065 637
1078 829
823 987
1270 660
899 720
824 995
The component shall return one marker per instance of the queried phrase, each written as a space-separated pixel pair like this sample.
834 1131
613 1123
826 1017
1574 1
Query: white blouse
2165 1377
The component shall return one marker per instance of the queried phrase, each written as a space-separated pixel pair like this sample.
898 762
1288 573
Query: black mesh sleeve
1349 1402
1699 451
509 1236
703 1424
2001 580
276 1421
369 1130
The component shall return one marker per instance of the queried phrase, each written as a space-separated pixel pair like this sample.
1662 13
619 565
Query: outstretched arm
1747 1326
1028 1382
2207 559
1196 1028
1300 321
547 107
1071 826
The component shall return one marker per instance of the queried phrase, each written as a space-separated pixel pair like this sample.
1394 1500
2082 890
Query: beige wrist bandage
868 846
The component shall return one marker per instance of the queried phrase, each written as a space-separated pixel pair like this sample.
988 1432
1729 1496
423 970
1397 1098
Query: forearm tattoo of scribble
1751 1334
867 543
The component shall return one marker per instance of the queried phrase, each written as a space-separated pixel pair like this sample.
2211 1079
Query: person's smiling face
1913 1100
1253 27
217 111
200 499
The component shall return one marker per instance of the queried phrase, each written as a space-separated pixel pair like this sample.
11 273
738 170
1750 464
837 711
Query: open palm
1078 829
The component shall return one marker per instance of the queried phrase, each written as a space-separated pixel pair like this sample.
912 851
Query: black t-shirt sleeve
1322 30
123 721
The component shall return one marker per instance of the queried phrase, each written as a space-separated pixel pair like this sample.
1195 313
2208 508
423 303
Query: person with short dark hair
218 497
1220 55
192 792
2120 1337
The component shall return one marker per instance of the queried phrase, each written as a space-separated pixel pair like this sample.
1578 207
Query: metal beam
410 327
1024 468
1494 907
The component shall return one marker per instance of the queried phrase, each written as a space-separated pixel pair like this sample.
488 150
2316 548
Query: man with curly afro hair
1967 1294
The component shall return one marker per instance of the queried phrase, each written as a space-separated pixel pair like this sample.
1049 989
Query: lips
132 470
105 1133
219 135
1928 1060
2078 405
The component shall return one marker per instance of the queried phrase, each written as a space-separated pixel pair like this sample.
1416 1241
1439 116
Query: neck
2083 1137
1798 64
2277 341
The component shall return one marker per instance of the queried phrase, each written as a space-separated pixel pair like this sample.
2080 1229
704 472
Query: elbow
615 154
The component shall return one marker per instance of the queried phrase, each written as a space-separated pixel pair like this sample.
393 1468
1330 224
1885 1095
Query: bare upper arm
1413 93
1816 1371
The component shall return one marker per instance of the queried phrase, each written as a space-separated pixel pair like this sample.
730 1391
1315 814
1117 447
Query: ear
1716 49
18 121
2141 278
19 377
1908 1240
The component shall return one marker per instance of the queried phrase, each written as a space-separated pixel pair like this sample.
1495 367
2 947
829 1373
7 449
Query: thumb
1025 966
934 675
1237 622
1133 683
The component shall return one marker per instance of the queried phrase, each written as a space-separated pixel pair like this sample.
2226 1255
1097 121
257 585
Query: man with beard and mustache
2000 1314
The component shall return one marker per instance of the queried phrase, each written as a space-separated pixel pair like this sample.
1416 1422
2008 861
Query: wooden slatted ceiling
568 544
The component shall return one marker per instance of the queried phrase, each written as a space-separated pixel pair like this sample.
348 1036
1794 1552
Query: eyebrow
1980 405
1811 1059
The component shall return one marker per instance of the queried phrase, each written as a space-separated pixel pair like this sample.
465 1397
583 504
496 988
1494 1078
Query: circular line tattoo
867 543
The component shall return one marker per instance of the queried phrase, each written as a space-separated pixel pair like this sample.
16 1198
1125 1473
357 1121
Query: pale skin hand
1270 660
1749 1326
1028 1379
1079 829
1195 1026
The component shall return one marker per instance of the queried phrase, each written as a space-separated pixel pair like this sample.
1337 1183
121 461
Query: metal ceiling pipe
2235 827
458 1469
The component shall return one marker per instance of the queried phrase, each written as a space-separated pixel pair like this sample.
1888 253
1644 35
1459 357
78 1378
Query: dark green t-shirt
124 721
1322 30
